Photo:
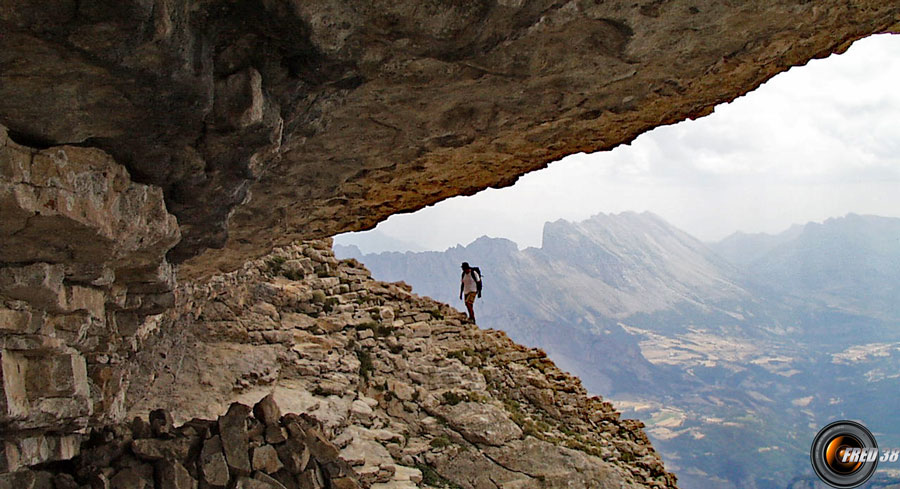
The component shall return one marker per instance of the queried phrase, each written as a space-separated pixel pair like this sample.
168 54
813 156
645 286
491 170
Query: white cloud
818 141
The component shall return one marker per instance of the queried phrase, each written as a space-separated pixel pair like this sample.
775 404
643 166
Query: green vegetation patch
329 304
430 477
274 263
318 297
452 398
440 441
365 364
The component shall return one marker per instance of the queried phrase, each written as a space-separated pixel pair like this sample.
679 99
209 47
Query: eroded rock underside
268 121
139 134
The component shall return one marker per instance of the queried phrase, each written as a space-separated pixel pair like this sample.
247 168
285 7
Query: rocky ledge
403 385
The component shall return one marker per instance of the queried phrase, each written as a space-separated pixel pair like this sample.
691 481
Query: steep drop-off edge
398 380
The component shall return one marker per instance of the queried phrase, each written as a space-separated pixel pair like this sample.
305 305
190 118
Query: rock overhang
266 122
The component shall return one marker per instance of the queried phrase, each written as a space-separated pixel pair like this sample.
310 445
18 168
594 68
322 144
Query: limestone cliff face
265 121
82 264
400 382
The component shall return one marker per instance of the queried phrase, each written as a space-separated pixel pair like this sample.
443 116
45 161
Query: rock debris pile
411 394
237 451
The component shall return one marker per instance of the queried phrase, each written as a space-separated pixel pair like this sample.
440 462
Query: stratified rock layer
267 121
402 383
82 264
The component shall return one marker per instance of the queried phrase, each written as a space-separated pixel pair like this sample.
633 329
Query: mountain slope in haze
851 263
572 295
638 262
742 249
374 241
610 265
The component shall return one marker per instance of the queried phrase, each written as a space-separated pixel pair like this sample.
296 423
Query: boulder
161 423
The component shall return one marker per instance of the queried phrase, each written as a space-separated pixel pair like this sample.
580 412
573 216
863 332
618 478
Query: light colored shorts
470 297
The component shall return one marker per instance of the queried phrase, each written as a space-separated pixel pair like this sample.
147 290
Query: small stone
173 475
407 474
294 455
267 411
266 309
99 481
140 428
152 449
386 314
265 459
213 464
296 431
311 478
287 479
9 457
23 479
328 326
337 468
321 448
202 427
256 431
161 423
247 483
360 408
64 481
268 480
344 483
275 434
130 478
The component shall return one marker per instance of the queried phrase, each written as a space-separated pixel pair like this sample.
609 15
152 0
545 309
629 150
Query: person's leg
470 302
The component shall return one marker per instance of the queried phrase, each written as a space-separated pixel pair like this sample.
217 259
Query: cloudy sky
818 141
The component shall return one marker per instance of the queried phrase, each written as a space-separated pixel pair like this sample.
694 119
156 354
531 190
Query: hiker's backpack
478 280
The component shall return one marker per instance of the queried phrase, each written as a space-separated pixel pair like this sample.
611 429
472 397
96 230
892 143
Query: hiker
470 286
